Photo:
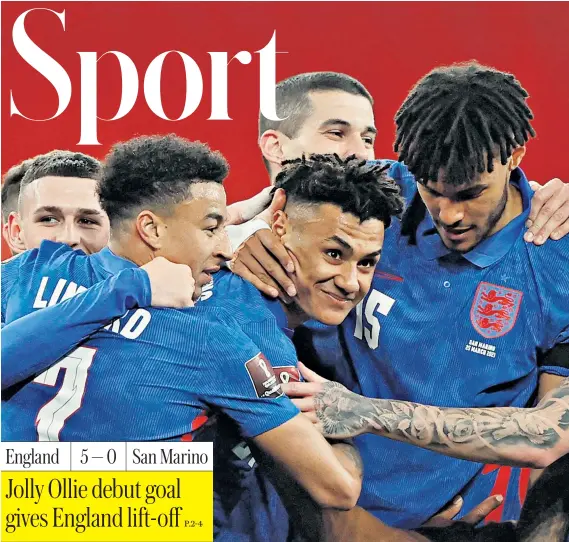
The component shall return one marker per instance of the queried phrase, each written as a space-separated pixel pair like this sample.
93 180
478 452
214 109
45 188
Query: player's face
61 209
467 214
196 234
335 257
340 123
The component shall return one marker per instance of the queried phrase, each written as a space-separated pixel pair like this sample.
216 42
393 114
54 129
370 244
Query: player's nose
347 279
451 213
223 249
69 234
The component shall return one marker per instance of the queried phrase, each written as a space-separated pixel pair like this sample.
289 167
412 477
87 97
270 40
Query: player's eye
335 133
469 196
368 263
48 219
88 222
334 254
368 141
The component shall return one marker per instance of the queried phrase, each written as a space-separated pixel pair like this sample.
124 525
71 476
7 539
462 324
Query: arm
28 350
249 392
330 474
533 437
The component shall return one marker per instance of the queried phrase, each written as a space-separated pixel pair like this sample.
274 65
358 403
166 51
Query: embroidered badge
495 309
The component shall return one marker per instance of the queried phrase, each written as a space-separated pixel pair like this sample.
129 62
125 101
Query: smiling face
334 255
61 209
196 234
339 122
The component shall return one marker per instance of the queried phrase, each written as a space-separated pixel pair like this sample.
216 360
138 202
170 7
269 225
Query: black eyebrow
48 209
340 241
58 210
215 216
373 254
85 211
341 122
472 190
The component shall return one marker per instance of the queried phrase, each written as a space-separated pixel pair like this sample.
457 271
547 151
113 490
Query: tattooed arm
533 437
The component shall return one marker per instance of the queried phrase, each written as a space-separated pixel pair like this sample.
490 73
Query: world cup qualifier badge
263 377
495 309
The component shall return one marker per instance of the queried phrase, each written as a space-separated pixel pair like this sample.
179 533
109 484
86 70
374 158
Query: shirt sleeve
33 343
240 380
550 263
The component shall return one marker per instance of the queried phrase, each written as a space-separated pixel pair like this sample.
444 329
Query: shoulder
238 298
207 330
549 264
49 253
550 259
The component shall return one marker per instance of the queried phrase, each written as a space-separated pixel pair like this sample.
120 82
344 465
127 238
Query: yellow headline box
107 506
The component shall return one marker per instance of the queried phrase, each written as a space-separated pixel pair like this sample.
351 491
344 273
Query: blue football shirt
472 330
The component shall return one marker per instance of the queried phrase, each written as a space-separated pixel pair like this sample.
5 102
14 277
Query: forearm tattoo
345 414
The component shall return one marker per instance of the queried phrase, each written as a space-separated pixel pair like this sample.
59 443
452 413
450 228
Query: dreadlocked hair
360 188
459 118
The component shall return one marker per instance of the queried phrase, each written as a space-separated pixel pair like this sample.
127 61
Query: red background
388 46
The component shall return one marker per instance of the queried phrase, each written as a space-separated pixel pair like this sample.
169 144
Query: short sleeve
239 379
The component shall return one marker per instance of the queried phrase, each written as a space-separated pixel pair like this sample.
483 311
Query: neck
514 208
294 314
130 249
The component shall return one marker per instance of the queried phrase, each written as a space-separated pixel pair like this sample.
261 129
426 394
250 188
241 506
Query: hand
334 410
549 213
242 211
172 284
263 260
445 518
303 393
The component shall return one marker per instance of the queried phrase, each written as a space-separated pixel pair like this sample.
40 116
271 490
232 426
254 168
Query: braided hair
460 118
360 188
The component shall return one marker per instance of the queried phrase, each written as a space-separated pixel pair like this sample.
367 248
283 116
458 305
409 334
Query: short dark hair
152 172
60 163
293 101
458 118
11 188
360 188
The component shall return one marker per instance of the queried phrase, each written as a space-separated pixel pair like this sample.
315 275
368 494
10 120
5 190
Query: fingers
241 211
248 268
306 405
483 509
308 374
274 247
555 227
549 213
301 389
245 258
452 509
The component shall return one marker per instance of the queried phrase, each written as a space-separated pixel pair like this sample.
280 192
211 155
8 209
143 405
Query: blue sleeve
399 172
240 380
10 273
552 261
36 341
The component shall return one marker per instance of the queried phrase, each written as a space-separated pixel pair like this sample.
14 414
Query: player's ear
517 155
281 224
14 235
151 229
271 145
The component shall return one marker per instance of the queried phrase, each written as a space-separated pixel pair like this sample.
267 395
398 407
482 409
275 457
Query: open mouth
456 234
